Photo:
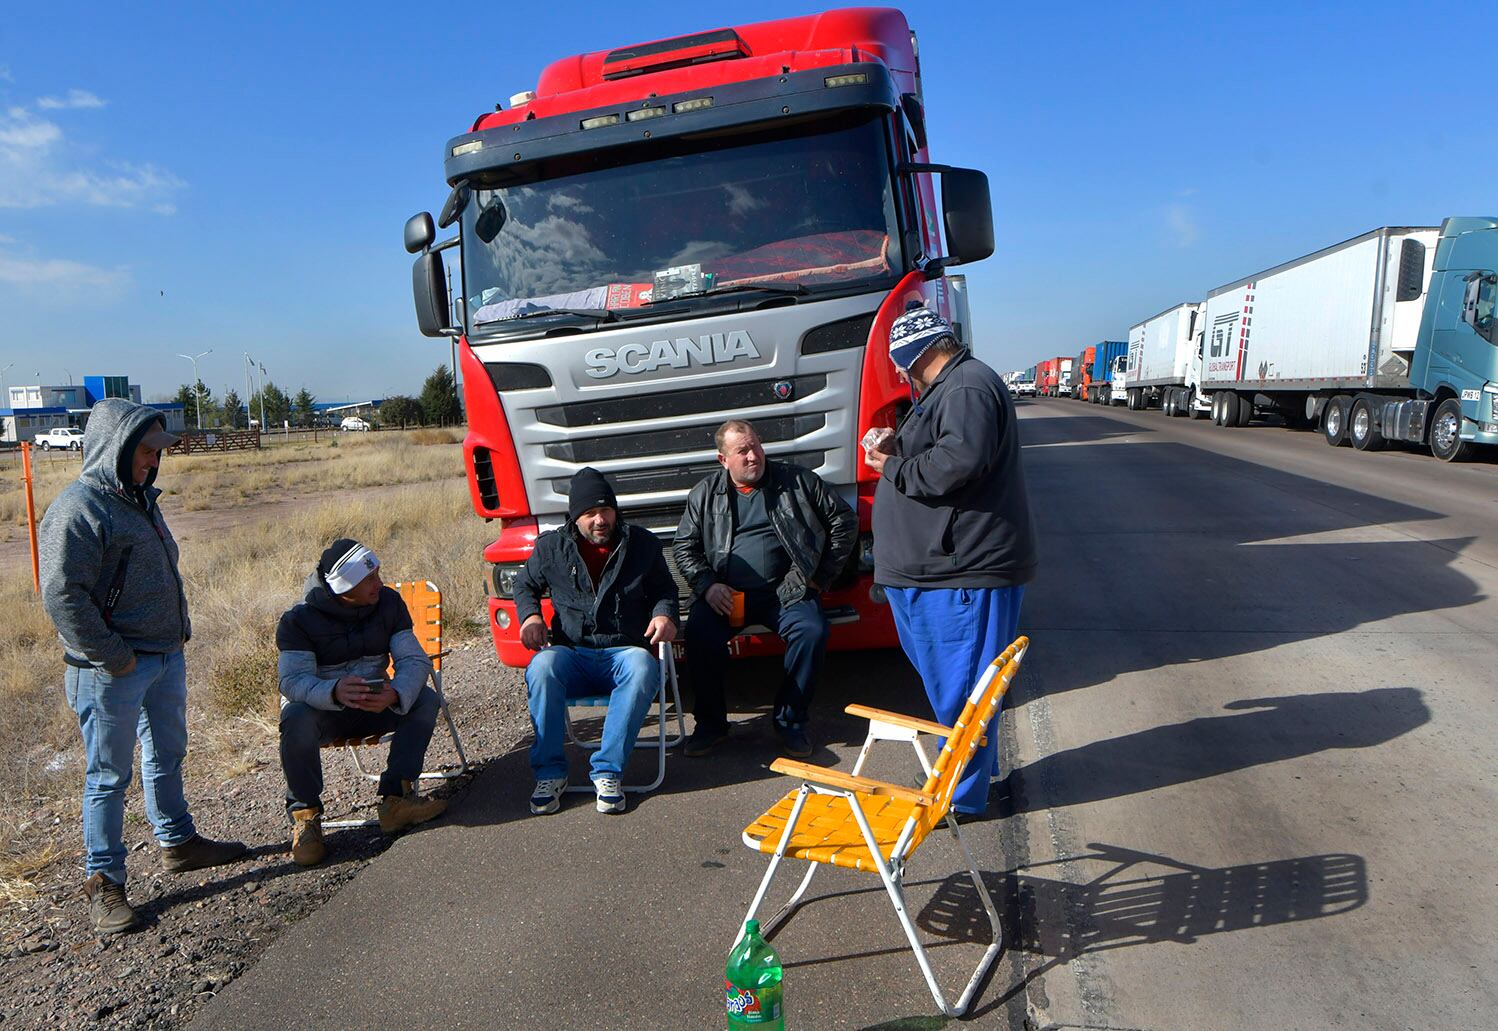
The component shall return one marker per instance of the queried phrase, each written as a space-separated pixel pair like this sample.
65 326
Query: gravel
203 929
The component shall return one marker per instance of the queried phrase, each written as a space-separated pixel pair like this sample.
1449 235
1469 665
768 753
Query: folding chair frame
891 871
661 741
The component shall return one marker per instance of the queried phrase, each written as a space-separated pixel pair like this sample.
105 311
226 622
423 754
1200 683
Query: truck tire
1334 420
1168 403
1229 408
1445 433
1193 407
1245 409
1362 427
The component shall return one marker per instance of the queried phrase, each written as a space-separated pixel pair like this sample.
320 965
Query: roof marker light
644 113
467 148
683 106
854 79
600 121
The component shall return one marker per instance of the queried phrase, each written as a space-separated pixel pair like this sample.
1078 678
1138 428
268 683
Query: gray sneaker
610 794
108 909
547 798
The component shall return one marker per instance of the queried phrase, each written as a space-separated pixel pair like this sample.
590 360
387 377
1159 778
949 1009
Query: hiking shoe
198 852
702 741
397 812
547 798
307 847
794 741
108 909
610 794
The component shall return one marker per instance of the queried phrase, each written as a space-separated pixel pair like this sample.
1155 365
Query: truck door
1460 344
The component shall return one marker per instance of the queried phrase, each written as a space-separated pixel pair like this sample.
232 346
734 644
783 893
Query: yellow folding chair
424 602
858 823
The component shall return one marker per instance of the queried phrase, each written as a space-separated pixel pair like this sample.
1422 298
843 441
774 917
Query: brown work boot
198 852
307 847
397 812
108 909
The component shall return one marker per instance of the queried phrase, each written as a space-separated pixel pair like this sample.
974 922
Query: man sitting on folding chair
614 601
336 645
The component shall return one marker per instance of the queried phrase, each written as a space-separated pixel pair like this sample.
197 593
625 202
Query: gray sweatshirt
84 538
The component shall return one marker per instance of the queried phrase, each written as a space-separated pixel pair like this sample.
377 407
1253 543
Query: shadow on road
1074 430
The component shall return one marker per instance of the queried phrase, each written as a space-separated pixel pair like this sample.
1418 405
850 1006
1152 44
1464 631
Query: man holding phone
613 601
335 646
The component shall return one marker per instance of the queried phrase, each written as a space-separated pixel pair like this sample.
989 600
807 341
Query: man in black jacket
335 646
758 543
953 544
614 601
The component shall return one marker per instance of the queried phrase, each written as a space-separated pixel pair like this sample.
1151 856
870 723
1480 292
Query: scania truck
1385 337
676 232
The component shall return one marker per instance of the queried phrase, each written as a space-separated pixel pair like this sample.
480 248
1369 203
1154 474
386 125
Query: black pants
802 626
304 730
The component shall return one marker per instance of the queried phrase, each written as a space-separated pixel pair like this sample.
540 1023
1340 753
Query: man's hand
662 630
352 693
875 460
382 699
533 633
719 599
125 670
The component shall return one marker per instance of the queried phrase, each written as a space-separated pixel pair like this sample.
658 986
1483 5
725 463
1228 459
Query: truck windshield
797 210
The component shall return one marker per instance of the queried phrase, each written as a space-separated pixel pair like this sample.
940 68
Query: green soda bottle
752 983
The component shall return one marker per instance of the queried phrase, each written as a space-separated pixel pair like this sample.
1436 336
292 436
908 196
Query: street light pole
196 383
262 398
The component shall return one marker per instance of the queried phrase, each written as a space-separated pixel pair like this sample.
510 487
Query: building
35 408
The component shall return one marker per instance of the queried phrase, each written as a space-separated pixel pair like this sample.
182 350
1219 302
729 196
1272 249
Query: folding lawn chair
858 823
660 741
424 601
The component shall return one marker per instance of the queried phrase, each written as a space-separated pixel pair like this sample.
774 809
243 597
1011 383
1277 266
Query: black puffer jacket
816 528
635 587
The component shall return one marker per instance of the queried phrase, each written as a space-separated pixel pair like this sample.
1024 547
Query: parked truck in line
1047 370
1388 336
1100 363
1082 374
666 235
1161 353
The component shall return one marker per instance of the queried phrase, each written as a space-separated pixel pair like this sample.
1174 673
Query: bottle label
752 1005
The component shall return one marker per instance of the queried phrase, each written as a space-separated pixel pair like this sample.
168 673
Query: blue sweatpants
950 636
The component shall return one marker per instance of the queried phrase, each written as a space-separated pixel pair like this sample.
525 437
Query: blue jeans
150 703
304 730
629 676
950 635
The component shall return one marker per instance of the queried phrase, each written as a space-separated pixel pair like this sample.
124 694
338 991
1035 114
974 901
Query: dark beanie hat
588 490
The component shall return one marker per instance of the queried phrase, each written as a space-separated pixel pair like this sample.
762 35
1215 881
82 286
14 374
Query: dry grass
435 437
236 594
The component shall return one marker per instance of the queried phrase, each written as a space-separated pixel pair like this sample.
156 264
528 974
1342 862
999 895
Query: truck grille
681 477
587 450
727 397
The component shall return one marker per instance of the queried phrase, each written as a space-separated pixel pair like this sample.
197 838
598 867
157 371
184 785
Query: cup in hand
876 437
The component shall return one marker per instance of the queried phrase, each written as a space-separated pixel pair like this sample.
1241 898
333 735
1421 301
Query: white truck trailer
1162 350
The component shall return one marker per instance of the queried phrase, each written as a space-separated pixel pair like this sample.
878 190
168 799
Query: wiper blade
601 314
790 289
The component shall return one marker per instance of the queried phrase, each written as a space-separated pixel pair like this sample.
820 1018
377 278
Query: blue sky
179 177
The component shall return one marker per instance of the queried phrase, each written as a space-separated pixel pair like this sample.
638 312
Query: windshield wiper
790 289
601 314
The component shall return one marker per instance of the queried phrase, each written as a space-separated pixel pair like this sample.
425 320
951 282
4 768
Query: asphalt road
1253 787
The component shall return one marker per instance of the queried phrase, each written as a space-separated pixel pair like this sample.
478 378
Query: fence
196 442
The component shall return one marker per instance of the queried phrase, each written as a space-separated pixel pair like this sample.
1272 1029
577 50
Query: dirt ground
203 929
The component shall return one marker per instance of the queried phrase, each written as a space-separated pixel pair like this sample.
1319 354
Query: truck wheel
1446 442
1245 409
1168 403
1363 428
1229 409
1193 407
1334 420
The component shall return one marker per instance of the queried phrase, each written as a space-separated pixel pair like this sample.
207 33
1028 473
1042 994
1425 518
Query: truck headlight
502 580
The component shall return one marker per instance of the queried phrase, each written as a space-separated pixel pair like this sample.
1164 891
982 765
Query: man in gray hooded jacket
110 586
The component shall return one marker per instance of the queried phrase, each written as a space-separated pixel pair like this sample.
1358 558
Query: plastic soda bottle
752 983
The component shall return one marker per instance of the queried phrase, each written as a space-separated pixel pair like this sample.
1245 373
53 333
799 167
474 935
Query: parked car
354 423
69 438
1024 388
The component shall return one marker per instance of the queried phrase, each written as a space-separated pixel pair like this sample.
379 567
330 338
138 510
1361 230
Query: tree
277 405
401 411
303 408
232 405
189 402
439 399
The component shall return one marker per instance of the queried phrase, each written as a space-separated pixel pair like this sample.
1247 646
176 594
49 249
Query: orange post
36 569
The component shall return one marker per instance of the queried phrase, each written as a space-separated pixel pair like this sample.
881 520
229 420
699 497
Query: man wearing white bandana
953 544
336 646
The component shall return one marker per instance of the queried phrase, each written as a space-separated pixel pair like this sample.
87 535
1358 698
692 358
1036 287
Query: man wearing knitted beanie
953 543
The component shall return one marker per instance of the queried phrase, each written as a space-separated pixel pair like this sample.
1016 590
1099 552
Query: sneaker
547 798
198 853
794 741
108 909
307 846
397 812
702 741
610 794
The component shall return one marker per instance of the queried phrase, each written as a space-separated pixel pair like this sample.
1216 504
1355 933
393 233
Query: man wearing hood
613 601
110 586
336 645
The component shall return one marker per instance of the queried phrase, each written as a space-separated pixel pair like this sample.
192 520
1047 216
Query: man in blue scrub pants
953 543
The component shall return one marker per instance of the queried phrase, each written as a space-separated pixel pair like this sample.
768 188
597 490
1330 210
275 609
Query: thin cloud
37 170
75 99
1182 225
5 75
34 275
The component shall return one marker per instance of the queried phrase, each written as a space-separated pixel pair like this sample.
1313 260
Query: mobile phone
374 686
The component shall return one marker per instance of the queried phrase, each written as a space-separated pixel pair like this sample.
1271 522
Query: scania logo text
681 353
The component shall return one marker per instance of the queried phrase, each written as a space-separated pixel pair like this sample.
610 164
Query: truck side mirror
967 215
419 233
429 286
